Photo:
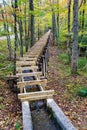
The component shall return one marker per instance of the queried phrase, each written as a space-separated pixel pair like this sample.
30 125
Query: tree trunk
83 16
32 22
6 27
75 38
58 29
9 43
38 29
21 37
2 12
53 26
68 41
15 33
25 24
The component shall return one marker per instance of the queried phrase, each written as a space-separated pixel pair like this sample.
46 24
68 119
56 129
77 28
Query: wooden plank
29 74
35 98
32 96
25 63
28 59
33 82
30 56
20 69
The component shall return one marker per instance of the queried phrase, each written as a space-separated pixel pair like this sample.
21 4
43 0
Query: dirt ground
10 109
74 107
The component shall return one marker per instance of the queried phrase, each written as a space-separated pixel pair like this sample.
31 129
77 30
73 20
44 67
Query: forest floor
66 87
10 109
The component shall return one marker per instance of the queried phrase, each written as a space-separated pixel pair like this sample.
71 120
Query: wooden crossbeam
21 85
30 56
28 59
25 63
32 82
32 96
36 74
20 69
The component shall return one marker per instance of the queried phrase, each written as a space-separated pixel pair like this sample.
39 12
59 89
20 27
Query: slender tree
21 36
32 22
75 38
25 26
6 28
83 16
58 28
68 41
15 33
53 23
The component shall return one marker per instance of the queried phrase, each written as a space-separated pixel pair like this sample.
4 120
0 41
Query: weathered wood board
33 82
25 63
36 74
20 69
28 59
36 95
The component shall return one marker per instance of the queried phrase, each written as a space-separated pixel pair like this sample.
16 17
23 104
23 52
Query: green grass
1 107
4 62
1 99
1 86
63 57
82 62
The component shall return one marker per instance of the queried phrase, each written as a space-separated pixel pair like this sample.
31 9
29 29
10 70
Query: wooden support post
48 53
46 61
43 67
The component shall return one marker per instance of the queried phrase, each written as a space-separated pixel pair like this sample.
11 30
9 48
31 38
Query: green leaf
82 92
17 126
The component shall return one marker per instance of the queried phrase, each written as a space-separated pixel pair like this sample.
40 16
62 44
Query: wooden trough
27 70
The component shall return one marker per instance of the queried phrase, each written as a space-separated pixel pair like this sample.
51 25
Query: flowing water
42 121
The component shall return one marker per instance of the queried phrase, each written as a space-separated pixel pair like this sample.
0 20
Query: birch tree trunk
6 27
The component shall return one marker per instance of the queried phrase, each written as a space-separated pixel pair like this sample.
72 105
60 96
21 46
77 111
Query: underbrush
6 66
82 63
74 84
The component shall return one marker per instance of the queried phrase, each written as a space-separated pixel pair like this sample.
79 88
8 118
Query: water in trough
42 121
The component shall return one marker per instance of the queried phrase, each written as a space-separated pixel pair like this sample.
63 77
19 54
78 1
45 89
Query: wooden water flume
30 62
31 72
